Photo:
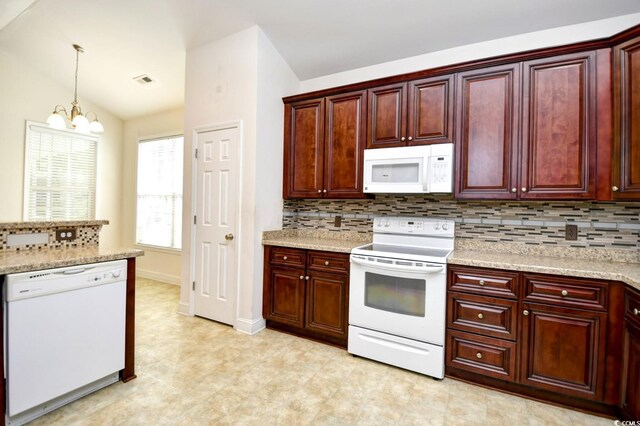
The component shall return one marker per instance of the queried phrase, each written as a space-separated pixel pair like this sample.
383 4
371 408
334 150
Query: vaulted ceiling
127 38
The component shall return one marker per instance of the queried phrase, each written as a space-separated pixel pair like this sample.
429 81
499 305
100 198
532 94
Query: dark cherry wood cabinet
631 357
306 292
626 118
419 112
487 119
559 127
324 147
539 335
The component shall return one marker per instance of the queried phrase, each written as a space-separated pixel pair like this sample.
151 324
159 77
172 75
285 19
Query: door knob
228 237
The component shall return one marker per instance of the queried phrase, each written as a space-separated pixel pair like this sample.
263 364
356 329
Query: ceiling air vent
144 79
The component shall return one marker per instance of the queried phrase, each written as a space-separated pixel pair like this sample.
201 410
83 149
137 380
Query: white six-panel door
217 199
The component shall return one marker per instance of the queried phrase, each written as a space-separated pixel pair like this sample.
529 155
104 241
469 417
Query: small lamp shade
81 123
56 121
96 127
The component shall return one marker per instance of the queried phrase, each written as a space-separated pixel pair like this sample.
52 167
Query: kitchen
238 81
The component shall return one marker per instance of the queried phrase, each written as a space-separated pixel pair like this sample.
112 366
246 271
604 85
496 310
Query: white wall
28 95
240 78
156 264
539 39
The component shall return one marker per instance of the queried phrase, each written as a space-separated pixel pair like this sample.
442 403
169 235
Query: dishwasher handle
74 271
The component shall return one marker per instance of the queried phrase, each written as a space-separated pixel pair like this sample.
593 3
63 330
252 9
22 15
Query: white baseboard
165 278
250 327
183 309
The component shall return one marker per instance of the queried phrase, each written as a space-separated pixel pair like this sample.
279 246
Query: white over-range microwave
409 170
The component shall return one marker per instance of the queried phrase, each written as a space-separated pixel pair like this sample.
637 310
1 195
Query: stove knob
437 226
445 226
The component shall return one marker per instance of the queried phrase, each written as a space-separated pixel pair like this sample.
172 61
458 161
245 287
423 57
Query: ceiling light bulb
96 127
56 121
81 123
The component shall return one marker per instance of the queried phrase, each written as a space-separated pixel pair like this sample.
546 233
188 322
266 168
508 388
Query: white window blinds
159 205
60 174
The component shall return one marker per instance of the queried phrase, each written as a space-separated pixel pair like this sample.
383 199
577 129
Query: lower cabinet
546 337
306 292
631 357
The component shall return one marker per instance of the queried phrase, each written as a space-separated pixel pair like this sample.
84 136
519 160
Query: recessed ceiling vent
144 79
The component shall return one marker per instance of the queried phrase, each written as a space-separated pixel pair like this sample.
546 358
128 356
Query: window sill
158 249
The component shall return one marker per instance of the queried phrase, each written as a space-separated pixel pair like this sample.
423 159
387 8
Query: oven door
403 298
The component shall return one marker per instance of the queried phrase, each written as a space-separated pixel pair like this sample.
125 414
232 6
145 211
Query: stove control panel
414 225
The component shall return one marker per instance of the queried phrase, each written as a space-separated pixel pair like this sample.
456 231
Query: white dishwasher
64 335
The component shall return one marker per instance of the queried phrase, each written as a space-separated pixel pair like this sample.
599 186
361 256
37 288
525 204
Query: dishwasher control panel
39 283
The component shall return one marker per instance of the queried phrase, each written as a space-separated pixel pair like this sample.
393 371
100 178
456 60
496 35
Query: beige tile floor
193 371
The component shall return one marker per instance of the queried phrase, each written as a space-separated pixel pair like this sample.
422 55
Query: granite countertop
32 260
313 239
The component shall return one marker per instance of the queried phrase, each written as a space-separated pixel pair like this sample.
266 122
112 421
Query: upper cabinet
416 113
626 116
551 153
324 147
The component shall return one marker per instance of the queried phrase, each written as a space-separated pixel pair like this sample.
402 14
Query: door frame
194 191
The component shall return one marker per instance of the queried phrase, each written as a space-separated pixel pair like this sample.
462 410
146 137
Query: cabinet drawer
482 355
569 292
481 281
287 257
328 262
632 306
484 315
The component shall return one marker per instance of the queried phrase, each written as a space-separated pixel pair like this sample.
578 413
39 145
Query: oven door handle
393 267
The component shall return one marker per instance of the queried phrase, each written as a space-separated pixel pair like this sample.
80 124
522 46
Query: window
159 205
60 174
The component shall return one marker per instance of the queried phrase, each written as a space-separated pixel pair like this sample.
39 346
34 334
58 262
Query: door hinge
194 220
193 286
196 152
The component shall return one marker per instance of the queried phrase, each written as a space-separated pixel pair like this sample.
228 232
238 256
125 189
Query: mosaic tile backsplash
600 224
86 235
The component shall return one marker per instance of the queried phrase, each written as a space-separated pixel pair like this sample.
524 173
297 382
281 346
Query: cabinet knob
479 355
228 237
284 257
615 189
302 277
525 312
636 311
307 278
320 191
403 139
564 292
524 189
410 138
324 190
326 263
481 282
480 315
514 189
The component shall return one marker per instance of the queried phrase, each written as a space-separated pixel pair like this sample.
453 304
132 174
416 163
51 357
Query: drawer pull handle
481 282
636 311
564 293
525 313
284 257
307 278
326 263
479 355
480 315
302 277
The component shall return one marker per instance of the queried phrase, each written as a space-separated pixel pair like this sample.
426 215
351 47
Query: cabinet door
559 128
626 151
487 121
345 139
387 124
284 298
563 350
327 304
431 111
631 373
304 149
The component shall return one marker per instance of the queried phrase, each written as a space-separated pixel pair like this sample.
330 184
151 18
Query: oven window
404 296
395 173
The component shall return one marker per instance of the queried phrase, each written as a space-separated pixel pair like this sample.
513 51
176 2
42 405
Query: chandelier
59 116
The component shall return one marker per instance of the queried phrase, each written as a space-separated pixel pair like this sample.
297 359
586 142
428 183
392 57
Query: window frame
139 140
27 171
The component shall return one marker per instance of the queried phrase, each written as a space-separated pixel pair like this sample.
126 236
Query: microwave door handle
393 267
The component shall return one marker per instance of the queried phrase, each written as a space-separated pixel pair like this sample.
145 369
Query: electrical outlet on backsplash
600 224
